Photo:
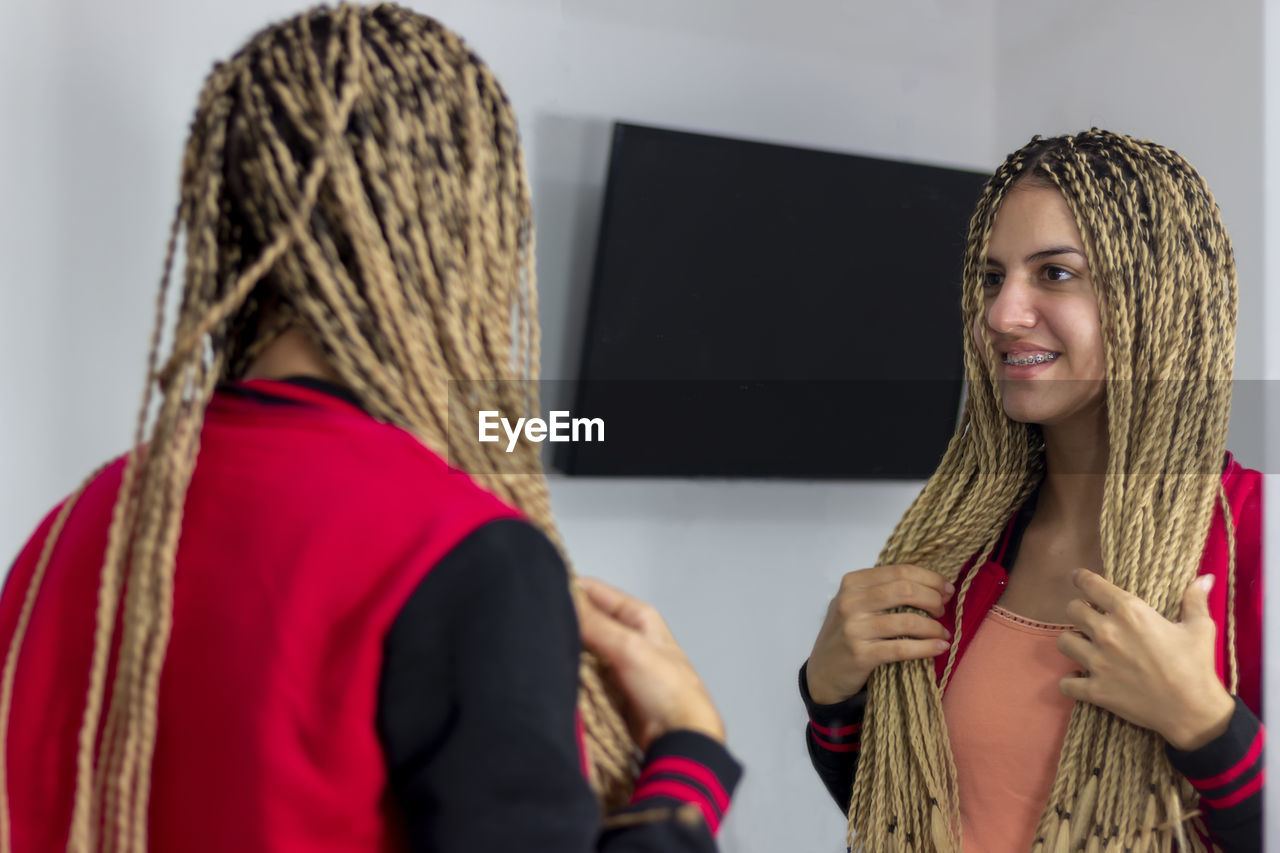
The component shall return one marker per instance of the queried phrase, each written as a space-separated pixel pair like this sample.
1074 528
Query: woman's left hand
1140 666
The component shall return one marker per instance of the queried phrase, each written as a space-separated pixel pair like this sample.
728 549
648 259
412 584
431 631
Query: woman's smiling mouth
1029 358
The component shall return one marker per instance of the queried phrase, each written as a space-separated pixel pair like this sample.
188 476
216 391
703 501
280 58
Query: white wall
100 96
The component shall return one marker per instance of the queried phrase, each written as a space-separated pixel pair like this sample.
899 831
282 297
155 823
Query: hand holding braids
1165 274
356 172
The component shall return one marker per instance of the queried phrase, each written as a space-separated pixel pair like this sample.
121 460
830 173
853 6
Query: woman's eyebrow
1048 253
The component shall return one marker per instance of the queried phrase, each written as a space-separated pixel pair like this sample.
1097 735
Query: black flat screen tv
762 310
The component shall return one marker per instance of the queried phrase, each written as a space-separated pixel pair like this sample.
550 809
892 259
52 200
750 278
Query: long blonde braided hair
357 173
1164 270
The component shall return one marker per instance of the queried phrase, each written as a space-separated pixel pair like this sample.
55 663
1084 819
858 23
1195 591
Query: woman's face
1041 311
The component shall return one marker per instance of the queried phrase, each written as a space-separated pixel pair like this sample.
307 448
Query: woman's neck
1076 456
291 354
1063 534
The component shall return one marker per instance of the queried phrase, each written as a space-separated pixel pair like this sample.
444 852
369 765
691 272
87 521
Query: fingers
600 632
625 609
893 637
1087 620
1099 591
906 593
1077 687
893 626
1195 601
892 651
1077 648
900 572
607 598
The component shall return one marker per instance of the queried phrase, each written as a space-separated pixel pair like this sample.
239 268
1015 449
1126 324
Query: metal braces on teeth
1038 358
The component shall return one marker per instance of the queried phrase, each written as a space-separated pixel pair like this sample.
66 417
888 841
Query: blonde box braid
355 172
1165 274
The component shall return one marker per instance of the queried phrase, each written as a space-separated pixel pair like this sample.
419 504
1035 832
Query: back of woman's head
354 173
1163 269
358 172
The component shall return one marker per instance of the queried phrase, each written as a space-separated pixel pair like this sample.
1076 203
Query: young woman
284 622
1060 649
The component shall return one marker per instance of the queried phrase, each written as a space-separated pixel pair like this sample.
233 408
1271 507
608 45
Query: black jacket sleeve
477 716
834 738
1227 772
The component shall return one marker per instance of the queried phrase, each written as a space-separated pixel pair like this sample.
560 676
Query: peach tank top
1007 720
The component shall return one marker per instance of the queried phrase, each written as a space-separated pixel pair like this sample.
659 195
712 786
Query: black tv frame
781 398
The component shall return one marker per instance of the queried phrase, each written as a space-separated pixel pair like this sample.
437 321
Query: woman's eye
992 279
1057 273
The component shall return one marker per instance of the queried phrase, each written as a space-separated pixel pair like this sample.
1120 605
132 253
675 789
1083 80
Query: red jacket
1244 494
297 551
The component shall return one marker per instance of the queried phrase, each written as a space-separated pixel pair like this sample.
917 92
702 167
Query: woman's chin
1027 409
1049 403
1020 416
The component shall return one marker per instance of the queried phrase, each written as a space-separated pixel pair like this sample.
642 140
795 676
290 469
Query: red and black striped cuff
838 727
1228 772
686 767
844 739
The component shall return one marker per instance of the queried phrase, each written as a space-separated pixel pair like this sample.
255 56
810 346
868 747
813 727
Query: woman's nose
1012 308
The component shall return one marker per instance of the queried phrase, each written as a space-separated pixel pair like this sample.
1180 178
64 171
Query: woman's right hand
860 632
663 691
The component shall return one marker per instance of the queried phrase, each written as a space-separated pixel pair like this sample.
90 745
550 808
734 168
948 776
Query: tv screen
762 310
